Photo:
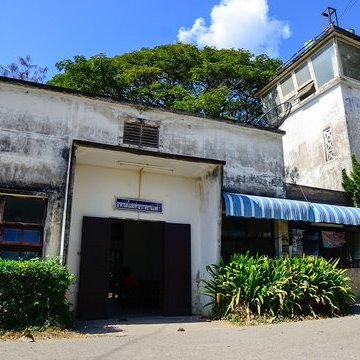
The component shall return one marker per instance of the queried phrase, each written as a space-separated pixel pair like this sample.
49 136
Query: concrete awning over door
129 158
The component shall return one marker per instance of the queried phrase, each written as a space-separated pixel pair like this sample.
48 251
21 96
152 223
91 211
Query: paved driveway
317 339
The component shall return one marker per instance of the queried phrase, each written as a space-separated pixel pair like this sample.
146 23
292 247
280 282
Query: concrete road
317 339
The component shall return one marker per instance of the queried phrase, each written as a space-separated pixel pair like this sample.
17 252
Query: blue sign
138 205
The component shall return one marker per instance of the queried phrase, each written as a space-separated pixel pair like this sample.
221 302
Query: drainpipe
139 189
63 225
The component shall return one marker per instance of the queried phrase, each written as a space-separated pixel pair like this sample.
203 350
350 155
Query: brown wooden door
94 263
177 269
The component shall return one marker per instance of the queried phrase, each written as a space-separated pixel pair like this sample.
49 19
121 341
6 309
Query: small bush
32 293
261 287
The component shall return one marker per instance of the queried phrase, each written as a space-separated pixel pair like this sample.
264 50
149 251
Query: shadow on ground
116 325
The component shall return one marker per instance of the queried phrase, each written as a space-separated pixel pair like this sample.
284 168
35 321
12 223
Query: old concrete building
124 190
127 194
137 201
322 82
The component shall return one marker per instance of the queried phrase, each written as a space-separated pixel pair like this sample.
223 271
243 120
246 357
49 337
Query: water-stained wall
304 143
38 125
351 96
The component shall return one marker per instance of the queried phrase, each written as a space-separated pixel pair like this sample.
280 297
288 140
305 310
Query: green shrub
32 293
277 288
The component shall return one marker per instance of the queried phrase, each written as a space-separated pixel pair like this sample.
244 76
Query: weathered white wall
37 127
351 95
253 157
210 214
304 144
185 200
50 120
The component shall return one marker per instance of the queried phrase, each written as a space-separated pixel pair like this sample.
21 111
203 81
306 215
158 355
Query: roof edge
58 89
324 36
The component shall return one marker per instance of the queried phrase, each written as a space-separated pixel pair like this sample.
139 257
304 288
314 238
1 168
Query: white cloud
239 24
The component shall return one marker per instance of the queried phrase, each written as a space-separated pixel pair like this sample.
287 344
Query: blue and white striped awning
260 207
336 214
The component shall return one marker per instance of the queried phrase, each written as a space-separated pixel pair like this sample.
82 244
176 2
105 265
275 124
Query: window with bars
21 226
141 134
328 144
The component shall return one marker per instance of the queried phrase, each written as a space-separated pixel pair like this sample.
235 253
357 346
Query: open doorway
133 267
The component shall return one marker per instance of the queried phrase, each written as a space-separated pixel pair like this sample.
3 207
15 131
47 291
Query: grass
43 334
55 332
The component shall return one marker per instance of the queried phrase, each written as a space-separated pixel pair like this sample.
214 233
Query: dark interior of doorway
135 268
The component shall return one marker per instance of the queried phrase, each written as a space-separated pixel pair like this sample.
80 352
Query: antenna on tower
331 14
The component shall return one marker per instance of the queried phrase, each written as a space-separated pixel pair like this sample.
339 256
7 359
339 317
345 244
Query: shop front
283 227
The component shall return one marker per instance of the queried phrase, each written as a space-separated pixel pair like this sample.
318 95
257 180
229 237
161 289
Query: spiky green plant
277 288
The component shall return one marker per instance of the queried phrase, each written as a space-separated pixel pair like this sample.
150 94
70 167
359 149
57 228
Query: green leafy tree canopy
24 70
215 83
351 183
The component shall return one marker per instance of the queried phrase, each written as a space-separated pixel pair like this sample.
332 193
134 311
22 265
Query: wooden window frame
21 246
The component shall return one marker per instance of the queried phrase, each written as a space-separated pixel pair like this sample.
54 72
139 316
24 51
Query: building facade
322 83
137 201
121 190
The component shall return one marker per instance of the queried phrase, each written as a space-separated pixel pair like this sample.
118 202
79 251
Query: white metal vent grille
328 144
141 134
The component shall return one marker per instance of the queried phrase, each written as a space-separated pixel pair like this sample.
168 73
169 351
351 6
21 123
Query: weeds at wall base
52 332
267 320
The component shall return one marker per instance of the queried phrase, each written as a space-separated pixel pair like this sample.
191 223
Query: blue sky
53 30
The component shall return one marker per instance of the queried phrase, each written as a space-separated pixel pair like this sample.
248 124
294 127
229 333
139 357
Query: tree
211 82
351 183
24 70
